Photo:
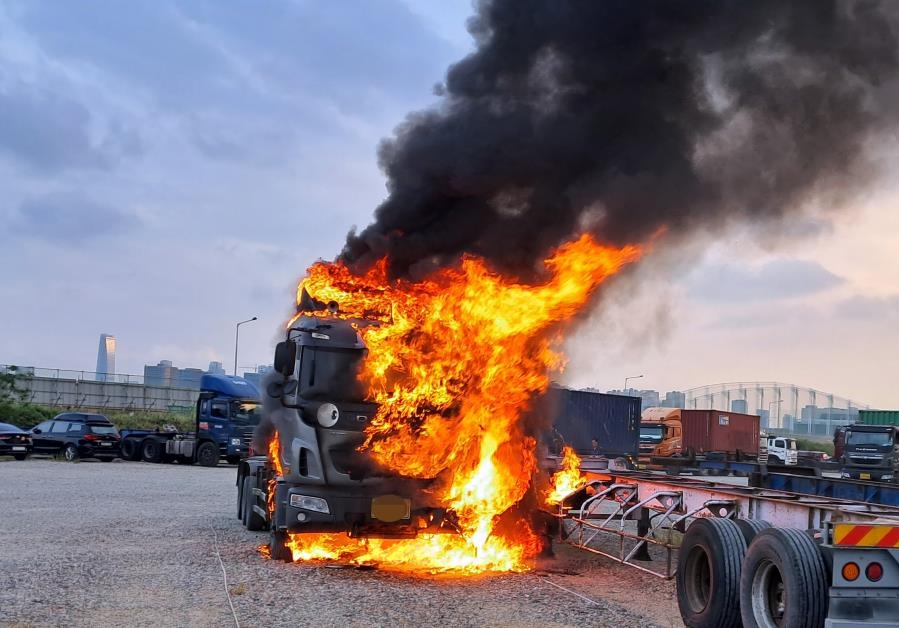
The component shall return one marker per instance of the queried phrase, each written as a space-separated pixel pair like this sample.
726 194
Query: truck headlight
327 415
316 504
235 441
886 476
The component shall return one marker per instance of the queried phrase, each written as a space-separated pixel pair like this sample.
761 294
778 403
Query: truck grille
870 461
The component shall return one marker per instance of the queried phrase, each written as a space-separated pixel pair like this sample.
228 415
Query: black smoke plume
622 117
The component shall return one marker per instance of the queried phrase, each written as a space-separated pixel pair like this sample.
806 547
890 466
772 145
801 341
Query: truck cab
782 450
660 432
227 414
321 481
871 452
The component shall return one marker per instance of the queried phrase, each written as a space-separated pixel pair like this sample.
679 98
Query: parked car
14 442
77 435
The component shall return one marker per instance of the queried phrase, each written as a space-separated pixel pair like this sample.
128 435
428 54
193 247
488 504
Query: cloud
70 219
778 279
47 132
864 308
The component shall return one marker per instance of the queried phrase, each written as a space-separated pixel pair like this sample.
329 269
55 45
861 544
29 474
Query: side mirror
285 357
36 431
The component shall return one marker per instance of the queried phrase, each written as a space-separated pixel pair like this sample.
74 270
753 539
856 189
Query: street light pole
626 379
237 338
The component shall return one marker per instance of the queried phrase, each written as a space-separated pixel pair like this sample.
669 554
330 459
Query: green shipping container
878 417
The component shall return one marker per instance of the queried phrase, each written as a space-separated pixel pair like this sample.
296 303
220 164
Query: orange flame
274 454
455 366
567 479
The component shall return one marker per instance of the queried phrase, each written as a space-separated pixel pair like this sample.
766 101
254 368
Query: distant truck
871 452
675 432
227 411
594 423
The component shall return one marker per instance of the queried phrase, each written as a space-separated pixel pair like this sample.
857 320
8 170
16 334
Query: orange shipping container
707 431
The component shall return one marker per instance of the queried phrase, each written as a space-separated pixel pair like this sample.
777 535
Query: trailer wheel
251 519
277 545
208 454
151 450
783 582
708 574
130 449
749 528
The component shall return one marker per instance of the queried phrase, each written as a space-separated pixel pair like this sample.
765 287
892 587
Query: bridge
790 407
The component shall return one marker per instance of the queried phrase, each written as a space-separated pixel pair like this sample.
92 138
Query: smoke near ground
625 118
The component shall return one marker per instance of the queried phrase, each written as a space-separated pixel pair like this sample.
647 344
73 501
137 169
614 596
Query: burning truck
400 421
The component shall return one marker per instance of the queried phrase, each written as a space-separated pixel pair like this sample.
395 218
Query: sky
170 169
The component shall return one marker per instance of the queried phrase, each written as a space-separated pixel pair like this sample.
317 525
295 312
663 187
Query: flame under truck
320 482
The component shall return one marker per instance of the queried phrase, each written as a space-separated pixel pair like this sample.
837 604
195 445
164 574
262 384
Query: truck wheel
240 499
708 574
774 460
70 452
130 449
750 527
208 454
783 582
253 521
151 451
277 545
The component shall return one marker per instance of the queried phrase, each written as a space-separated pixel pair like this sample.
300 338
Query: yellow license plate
864 476
390 508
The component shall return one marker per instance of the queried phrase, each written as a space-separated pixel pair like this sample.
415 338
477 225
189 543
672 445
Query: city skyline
200 180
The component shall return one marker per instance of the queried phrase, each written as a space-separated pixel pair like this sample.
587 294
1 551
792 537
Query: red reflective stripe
891 539
855 535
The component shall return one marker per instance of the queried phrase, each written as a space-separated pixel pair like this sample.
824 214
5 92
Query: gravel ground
97 544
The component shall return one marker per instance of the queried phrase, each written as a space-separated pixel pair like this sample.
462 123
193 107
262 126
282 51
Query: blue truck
227 413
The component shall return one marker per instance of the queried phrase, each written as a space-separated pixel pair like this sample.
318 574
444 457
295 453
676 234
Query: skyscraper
106 357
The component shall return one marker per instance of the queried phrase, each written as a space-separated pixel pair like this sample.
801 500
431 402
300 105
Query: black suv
77 435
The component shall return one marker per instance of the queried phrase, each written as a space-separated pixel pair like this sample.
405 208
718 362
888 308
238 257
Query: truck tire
240 498
151 450
783 581
131 449
208 455
277 545
708 574
750 527
252 520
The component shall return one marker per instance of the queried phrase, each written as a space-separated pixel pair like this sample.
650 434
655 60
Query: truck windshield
329 374
245 412
869 438
653 433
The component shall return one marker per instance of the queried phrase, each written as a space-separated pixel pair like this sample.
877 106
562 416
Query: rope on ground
575 593
224 576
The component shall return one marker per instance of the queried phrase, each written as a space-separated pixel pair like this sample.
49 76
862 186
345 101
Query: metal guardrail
78 376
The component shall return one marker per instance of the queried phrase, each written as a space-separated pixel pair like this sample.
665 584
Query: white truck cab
782 450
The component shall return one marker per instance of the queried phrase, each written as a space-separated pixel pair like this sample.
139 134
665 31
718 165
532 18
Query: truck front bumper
359 512
876 474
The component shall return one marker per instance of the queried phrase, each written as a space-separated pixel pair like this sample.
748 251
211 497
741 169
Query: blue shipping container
580 416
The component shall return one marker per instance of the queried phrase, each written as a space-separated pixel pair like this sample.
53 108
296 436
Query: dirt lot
92 544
